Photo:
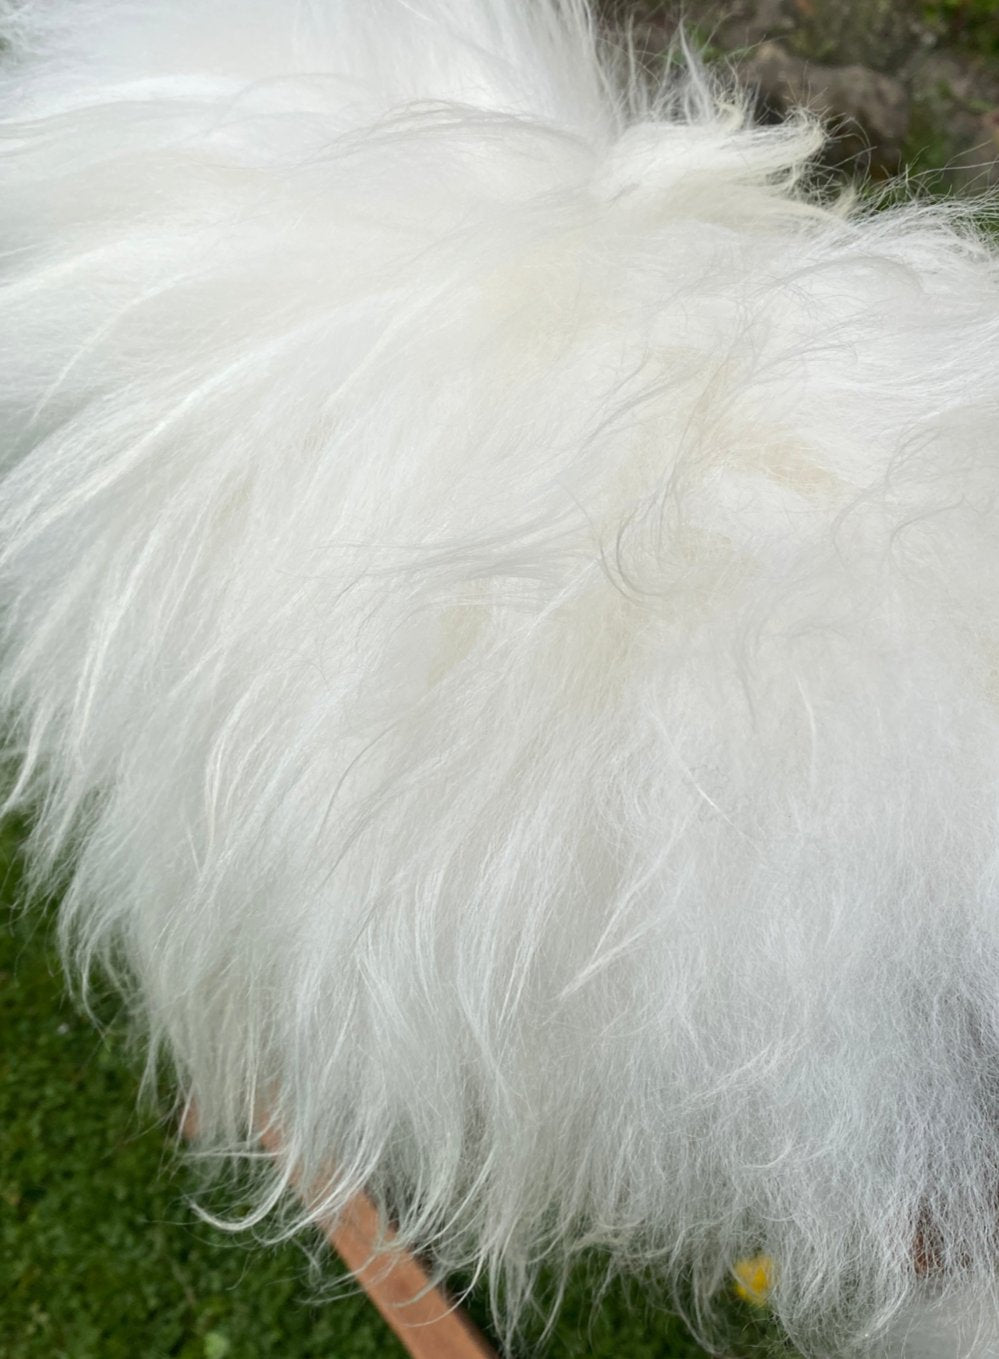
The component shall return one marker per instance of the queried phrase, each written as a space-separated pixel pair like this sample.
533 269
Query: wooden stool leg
429 1326
427 1323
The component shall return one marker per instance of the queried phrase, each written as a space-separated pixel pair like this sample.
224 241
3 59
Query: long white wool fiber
500 595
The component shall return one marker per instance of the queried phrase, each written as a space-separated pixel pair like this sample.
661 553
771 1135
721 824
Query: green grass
105 1259
973 24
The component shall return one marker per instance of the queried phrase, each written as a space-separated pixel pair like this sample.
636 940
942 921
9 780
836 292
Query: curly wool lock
500 608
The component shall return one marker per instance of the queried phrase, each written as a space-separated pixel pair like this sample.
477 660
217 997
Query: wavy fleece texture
500 595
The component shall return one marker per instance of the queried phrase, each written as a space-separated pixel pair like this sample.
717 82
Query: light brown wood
427 1323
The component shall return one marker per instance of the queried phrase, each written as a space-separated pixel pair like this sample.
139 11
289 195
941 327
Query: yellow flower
754 1279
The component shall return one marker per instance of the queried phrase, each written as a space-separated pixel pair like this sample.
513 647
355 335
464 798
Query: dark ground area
905 86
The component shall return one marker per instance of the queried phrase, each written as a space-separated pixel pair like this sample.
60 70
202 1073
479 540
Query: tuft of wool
499 636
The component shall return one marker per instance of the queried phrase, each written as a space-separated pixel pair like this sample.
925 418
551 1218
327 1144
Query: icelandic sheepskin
500 635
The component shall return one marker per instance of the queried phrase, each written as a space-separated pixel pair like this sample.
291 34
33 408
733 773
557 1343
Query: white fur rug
500 603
